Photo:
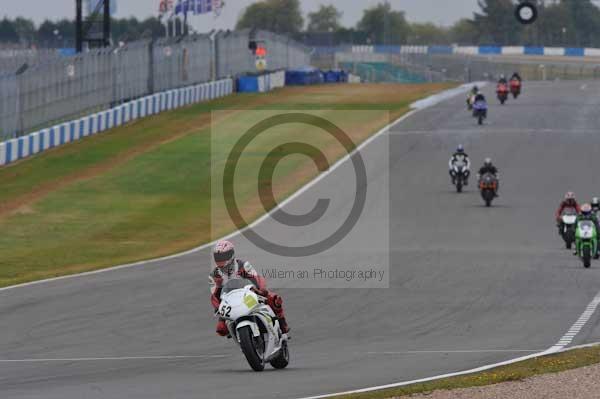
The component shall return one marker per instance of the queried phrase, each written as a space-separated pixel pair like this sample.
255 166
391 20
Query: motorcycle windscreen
489 178
235 284
586 228
480 105
569 212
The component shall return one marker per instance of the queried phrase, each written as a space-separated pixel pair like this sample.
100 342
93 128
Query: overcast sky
443 12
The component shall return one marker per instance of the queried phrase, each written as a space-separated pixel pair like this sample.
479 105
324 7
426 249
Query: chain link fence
52 88
13 59
473 68
386 67
462 68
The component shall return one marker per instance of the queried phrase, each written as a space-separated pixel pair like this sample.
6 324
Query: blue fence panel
439 50
533 51
52 138
9 145
72 130
62 135
387 49
248 84
574 52
21 149
31 144
306 76
490 50
42 137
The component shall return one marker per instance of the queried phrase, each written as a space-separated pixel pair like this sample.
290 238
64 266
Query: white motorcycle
460 173
568 226
253 324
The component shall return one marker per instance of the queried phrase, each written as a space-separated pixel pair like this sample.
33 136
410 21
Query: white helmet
223 253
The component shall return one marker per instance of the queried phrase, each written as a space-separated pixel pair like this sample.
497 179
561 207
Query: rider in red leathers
228 266
568 202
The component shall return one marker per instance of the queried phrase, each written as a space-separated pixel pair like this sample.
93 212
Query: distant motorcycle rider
229 267
488 167
460 156
516 75
480 97
502 79
568 202
588 214
471 96
595 205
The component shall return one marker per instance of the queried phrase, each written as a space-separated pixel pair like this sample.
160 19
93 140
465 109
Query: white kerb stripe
14 150
2 153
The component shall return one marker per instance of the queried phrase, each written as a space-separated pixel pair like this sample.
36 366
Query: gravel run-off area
581 383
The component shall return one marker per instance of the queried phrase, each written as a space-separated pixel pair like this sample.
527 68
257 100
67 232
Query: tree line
560 23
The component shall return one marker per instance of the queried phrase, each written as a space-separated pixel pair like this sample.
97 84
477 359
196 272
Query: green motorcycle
586 241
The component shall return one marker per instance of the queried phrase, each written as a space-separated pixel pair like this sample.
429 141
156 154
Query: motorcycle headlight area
587 234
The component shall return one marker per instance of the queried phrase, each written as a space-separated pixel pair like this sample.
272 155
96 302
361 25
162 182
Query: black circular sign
526 13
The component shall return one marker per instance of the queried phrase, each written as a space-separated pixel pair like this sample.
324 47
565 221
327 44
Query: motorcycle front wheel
283 358
587 256
252 347
488 196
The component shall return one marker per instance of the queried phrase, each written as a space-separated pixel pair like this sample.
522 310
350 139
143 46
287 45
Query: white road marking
455 351
495 132
437 377
416 107
583 87
578 325
95 359
558 347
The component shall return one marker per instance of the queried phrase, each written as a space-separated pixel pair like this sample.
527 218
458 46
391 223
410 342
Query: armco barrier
440 50
533 51
470 50
490 50
574 52
509 50
261 83
335 76
34 143
247 84
303 76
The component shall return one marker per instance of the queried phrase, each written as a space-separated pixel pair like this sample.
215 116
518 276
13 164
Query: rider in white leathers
459 156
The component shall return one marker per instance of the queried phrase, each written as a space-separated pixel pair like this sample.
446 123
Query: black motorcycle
488 186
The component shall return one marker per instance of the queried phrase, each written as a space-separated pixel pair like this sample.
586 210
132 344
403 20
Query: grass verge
555 363
143 190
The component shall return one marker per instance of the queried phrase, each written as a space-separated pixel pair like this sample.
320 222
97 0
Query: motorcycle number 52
224 311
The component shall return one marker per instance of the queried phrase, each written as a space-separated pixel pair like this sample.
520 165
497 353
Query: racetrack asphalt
468 285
